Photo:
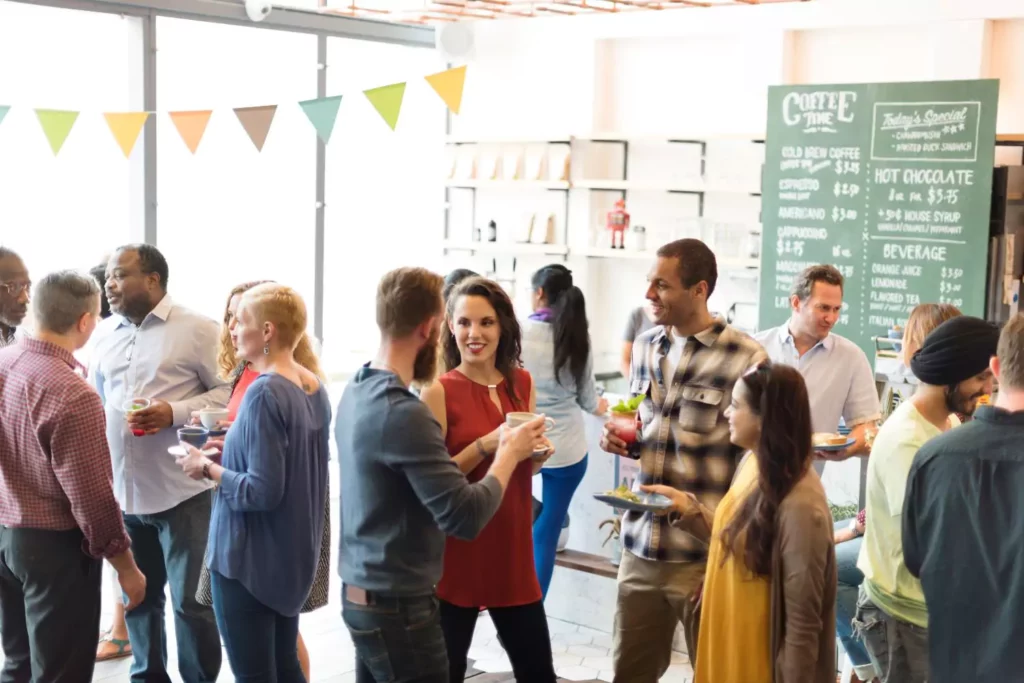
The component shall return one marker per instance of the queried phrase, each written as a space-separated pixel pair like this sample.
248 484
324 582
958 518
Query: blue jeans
397 639
850 579
169 548
260 642
559 486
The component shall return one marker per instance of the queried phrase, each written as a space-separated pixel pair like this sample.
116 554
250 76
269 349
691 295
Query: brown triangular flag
256 121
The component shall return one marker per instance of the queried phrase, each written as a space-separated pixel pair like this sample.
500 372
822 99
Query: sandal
123 649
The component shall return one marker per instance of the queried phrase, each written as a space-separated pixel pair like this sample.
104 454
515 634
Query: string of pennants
191 125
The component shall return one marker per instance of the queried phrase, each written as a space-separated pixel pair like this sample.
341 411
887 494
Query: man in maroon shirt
58 516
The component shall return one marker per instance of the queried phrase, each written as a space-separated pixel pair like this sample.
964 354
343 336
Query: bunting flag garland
191 126
126 128
256 121
322 113
57 124
448 85
387 100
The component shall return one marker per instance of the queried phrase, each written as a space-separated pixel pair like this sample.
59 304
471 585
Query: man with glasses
157 350
14 291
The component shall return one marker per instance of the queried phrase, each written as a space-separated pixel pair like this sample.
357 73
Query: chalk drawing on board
902 129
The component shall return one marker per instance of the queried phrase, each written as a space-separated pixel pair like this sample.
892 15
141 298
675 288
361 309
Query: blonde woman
272 490
242 374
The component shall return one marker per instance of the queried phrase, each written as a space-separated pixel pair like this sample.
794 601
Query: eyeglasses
131 346
763 366
15 288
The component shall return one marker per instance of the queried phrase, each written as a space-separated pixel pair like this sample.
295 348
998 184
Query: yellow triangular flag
126 128
387 100
448 85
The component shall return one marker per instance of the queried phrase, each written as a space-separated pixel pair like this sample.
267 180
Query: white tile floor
580 653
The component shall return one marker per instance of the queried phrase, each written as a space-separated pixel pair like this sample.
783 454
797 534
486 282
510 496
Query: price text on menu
891 183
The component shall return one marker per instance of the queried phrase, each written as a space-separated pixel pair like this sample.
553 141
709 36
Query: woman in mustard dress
768 602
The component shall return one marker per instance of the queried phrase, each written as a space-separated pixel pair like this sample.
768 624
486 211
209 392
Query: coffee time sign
888 182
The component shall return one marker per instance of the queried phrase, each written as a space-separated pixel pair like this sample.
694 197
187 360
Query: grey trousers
898 649
50 598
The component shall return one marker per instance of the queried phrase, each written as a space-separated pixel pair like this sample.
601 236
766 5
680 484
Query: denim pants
559 486
397 639
898 649
169 548
850 579
49 606
260 642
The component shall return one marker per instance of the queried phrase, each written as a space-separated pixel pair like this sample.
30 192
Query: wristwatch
853 527
206 469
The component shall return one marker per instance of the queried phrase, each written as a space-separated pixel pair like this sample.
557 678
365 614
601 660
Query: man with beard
892 617
401 492
14 291
154 349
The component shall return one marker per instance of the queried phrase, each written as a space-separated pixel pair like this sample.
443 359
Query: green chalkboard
892 184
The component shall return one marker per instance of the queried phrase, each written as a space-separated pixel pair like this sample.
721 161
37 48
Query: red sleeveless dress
496 569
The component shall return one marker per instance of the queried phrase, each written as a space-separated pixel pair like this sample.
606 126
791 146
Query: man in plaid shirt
686 367
58 516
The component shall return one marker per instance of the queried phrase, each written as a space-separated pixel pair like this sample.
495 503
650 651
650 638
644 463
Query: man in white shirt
155 349
14 292
840 381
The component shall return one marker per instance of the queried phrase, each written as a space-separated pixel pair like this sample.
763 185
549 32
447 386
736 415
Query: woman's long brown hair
778 395
508 356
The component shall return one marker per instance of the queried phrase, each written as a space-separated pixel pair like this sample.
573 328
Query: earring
266 349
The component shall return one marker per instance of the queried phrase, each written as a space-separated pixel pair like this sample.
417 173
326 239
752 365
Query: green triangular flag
3 111
322 113
387 100
57 124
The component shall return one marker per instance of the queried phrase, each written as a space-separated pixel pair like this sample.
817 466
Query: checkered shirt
685 432
55 470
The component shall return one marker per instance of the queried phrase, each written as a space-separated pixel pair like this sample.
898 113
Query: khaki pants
653 598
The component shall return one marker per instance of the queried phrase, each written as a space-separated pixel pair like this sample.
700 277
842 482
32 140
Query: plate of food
179 452
831 442
624 499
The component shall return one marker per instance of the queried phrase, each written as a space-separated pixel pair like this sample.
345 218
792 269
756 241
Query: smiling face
963 398
249 335
672 303
817 315
231 318
744 422
475 325
14 291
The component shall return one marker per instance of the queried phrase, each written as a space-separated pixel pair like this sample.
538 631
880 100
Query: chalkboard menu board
891 183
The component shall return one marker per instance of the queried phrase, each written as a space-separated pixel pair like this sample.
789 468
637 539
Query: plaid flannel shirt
685 432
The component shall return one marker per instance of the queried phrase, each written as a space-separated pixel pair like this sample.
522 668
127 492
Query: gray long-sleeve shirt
401 493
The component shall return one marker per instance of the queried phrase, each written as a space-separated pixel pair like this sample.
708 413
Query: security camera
258 10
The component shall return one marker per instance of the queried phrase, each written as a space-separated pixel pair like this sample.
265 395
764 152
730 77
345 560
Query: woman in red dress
495 572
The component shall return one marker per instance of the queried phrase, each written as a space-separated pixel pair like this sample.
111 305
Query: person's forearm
843 535
502 468
470 457
860 435
123 562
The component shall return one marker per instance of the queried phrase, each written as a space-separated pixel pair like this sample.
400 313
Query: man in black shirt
963 532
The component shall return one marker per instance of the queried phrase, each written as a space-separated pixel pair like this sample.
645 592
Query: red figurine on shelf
618 223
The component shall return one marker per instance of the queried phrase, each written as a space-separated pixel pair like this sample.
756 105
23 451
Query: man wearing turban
953 368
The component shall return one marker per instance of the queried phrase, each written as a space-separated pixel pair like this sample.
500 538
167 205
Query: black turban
955 351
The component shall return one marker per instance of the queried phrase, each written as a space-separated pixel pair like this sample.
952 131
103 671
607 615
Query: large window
66 211
229 214
385 189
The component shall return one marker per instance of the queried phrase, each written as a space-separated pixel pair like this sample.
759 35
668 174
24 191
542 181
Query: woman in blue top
268 512
556 351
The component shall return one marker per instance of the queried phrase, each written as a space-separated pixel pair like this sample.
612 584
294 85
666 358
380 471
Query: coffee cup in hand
520 441
516 419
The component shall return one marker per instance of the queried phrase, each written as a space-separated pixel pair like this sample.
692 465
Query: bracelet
206 469
481 450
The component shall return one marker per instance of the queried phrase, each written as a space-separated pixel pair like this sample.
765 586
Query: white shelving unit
508 248
509 184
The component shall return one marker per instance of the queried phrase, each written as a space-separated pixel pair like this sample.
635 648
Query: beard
956 402
424 370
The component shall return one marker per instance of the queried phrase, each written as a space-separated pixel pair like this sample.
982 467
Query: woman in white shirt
557 353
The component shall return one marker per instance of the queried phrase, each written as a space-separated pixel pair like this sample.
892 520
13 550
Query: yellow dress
735 642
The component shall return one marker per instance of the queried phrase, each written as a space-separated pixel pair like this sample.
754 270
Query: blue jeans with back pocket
397 639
